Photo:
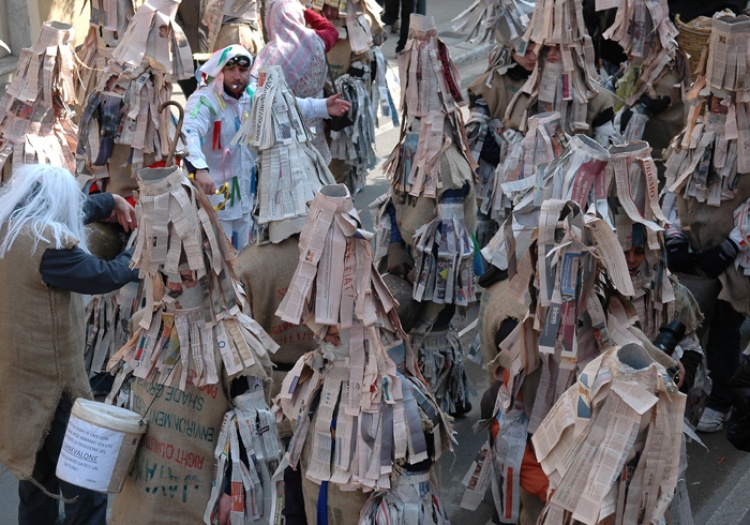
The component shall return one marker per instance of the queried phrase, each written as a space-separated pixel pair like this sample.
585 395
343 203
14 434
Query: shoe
712 420
395 26
388 29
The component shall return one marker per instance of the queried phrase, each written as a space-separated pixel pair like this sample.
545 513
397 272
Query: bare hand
205 182
225 505
337 107
124 214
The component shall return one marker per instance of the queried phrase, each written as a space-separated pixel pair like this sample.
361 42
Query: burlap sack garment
40 352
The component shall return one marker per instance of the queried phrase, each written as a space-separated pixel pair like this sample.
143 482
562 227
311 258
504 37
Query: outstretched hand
337 106
124 214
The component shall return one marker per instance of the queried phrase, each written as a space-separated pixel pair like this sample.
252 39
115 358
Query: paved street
718 478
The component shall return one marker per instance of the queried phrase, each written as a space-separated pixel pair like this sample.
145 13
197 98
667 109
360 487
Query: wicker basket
693 38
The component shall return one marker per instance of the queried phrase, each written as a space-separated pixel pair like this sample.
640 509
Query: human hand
337 107
124 214
225 505
205 182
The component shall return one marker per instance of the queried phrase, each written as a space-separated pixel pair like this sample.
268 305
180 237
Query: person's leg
37 508
407 8
390 14
87 507
34 506
294 503
723 354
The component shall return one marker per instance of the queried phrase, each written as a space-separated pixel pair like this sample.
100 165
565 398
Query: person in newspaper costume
37 110
234 22
106 25
354 64
564 78
365 417
291 171
707 190
657 77
511 63
121 128
215 113
424 224
300 51
533 364
201 371
46 268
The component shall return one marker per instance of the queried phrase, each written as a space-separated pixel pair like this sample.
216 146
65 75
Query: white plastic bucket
99 446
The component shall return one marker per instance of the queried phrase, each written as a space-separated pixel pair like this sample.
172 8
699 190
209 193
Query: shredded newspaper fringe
107 325
238 11
713 149
36 125
580 260
430 99
355 145
565 86
442 365
108 22
413 499
444 258
121 113
177 337
250 427
290 168
384 413
646 33
612 443
505 21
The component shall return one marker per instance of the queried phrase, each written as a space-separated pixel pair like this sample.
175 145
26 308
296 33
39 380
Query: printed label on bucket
88 455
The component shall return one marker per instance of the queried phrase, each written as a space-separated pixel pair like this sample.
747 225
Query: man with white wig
213 115
44 266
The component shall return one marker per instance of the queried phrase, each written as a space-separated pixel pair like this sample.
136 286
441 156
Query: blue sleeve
77 271
97 207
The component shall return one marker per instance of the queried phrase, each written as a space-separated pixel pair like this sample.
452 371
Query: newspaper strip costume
712 152
121 129
602 441
192 340
577 262
352 69
179 239
364 371
108 23
501 20
428 220
432 122
657 77
36 125
290 168
234 22
566 85
354 145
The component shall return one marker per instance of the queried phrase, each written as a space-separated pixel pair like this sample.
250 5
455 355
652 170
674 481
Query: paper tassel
442 365
413 499
36 111
355 144
369 381
250 427
239 11
713 149
290 168
505 21
121 128
179 337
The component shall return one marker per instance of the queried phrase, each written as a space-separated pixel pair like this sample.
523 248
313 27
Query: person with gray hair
44 266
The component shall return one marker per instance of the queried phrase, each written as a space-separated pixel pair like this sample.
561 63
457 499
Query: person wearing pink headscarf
300 51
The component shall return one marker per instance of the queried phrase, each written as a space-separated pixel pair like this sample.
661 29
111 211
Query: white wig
40 196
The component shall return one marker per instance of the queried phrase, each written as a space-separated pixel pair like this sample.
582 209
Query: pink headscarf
293 45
